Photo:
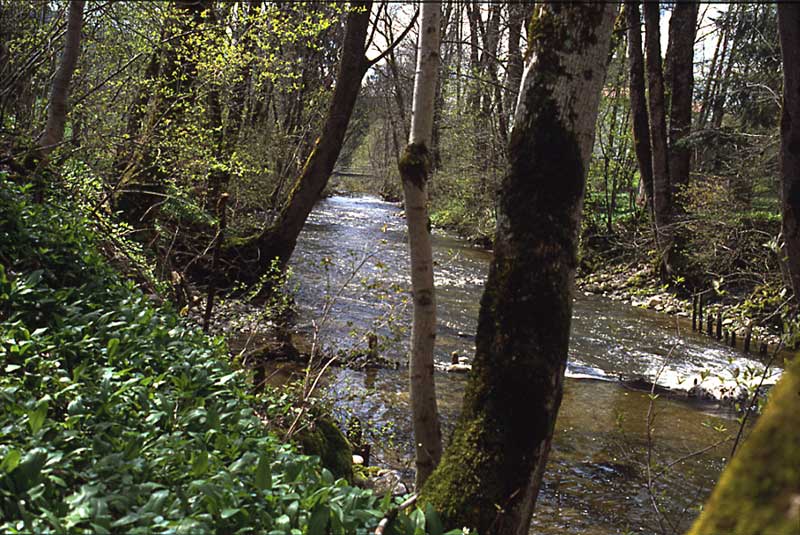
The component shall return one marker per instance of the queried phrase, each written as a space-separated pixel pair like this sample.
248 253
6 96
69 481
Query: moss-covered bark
490 475
759 491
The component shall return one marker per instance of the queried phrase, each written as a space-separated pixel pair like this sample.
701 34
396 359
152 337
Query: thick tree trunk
491 473
680 58
662 190
414 170
279 240
59 93
789 28
641 121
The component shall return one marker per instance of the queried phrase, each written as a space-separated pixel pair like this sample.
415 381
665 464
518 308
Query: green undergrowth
117 416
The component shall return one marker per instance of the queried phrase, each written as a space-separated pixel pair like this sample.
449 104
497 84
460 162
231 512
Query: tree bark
414 171
680 58
59 93
491 473
662 190
789 29
279 240
759 489
641 121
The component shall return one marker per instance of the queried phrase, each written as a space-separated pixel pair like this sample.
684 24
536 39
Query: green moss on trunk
759 492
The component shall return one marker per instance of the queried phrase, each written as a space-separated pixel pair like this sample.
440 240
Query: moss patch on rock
325 440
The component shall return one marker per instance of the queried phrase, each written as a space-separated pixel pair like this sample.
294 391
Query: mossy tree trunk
789 28
641 121
490 475
759 491
415 166
279 240
662 190
59 92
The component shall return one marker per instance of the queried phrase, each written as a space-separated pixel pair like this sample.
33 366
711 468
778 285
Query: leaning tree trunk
59 93
641 122
415 166
662 190
789 29
491 473
279 240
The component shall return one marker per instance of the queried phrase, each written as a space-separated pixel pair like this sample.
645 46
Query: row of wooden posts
713 318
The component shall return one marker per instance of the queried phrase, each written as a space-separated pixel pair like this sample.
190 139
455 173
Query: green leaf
10 461
263 473
37 416
318 523
112 347
229 512
432 521
200 464
417 518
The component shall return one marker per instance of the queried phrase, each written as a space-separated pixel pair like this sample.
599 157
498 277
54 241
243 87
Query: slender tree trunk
721 89
59 93
789 28
279 240
414 170
641 121
680 58
491 473
705 100
662 190
516 14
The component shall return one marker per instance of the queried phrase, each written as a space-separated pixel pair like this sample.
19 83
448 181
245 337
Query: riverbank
119 415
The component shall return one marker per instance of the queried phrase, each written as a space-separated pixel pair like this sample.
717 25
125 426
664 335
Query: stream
352 261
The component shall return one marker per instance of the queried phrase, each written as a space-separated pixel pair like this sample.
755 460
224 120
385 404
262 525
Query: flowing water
352 261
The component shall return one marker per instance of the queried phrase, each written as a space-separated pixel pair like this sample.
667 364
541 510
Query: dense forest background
172 103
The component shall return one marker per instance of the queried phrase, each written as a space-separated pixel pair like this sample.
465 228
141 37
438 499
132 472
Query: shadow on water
597 477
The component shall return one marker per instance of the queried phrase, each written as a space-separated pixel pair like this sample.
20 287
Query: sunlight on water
596 481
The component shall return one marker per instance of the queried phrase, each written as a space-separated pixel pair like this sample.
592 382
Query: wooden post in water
695 299
372 344
710 324
700 313
763 349
719 324
733 338
748 333
727 335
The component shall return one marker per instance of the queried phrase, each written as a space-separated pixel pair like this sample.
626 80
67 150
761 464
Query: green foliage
119 417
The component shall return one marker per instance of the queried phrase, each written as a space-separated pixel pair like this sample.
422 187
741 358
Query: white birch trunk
414 170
